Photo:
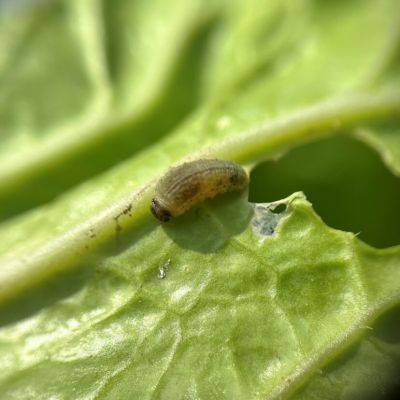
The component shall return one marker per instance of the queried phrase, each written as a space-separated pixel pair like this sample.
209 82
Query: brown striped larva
190 183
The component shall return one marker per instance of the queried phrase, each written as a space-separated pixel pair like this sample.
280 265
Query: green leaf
221 314
233 300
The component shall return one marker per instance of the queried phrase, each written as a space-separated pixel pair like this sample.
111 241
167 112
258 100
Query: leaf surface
233 300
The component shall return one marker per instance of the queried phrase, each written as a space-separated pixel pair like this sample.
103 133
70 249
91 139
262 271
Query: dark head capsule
159 211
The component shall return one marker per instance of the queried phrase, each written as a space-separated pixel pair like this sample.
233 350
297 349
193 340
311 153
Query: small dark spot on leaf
127 210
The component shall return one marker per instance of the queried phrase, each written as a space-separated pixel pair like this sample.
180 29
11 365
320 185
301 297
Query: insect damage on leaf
189 184
268 215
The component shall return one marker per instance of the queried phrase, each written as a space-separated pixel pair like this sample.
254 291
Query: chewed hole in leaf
345 180
267 217
279 209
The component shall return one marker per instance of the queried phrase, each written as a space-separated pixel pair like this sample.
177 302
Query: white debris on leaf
162 271
268 215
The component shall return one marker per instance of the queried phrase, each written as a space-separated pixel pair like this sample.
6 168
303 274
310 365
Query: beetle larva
190 183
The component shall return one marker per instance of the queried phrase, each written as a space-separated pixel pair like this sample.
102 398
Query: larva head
160 212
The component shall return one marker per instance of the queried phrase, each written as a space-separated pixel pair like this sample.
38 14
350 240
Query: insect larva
190 183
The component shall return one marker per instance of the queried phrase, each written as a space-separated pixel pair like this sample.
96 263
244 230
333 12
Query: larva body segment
190 183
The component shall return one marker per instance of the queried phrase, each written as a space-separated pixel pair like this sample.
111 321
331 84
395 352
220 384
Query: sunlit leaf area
288 289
